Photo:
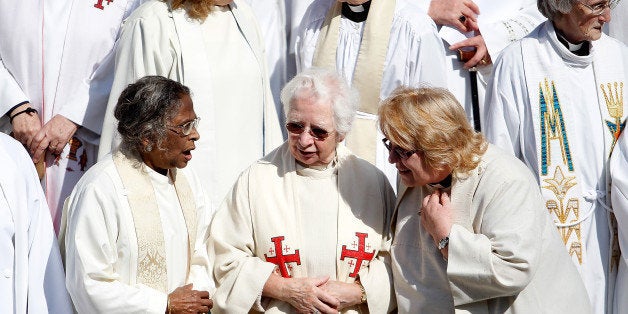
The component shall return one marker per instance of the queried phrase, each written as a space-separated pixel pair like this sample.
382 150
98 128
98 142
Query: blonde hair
431 121
195 9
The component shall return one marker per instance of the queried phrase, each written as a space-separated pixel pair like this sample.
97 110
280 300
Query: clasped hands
185 300
462 15
52 136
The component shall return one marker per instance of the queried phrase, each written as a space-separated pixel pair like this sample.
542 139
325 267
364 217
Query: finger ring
462 19
419 213
483 61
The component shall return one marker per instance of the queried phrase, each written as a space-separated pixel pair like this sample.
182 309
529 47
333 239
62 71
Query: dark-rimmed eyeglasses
186 128
598 8
316 132
402 153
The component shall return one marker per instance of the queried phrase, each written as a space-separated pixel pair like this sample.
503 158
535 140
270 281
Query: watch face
443 243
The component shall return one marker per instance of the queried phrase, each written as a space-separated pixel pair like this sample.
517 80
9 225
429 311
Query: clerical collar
443 184
356 13
579 49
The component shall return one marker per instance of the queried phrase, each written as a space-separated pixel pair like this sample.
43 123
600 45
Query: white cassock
305 222
106 269
561 114
221 60
295 11
75 77
271 16
619 199
618 26
500 23
504 253
408 53
31 273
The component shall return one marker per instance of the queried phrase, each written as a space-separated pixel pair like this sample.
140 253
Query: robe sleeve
619 191
511 27
377 279
200 263
91 255
500 257
240 275
425 64
506 95
87 63
11 93
147 46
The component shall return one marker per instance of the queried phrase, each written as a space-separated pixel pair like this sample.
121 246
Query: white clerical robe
67 75
101 246
504 253
561 114
500 23
414 57
31 273
618 26
619 198
271 15
222 62
268 222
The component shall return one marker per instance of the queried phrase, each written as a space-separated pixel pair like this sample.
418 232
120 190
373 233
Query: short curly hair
143 110
195 9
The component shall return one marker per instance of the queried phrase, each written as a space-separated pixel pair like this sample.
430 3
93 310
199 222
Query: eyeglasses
402 153
186 128
316 132
598 8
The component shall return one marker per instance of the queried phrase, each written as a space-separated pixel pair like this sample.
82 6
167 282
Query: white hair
324 86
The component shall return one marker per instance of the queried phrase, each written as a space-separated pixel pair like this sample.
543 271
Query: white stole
151 255
369 69
559 178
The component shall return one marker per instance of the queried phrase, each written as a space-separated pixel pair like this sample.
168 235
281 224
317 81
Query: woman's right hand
188 301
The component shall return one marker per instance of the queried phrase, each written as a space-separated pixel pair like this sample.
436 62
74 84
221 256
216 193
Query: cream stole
275 215
369 69
559 178
151 255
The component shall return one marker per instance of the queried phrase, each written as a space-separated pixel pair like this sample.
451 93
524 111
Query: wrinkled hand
53 136
448 12
348 294
306 295
26 125
481 57
186 300
436 216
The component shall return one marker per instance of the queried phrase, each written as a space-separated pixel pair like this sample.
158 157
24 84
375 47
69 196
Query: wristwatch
443 243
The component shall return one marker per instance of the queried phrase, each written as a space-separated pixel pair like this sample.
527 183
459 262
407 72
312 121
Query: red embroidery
280 259
98 4
75 144
359 255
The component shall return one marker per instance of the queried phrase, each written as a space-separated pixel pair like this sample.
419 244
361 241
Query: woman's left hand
348 294
436 216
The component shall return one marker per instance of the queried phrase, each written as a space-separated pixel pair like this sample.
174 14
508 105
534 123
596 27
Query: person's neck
580 48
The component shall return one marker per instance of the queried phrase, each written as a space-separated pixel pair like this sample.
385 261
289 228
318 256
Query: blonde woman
471 231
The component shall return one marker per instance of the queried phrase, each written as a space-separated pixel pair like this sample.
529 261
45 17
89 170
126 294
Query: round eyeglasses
598 8
316 132
186 128
402 153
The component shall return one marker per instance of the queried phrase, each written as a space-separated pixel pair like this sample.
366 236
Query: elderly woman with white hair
557 103
306 228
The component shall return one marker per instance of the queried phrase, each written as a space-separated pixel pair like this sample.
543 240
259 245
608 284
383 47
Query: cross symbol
271 251
280 259
286 249
354 244
359 255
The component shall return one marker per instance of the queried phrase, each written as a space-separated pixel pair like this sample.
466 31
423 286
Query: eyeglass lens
297 128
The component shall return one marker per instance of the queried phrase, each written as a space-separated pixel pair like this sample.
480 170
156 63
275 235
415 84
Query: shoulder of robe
316 12
102 174
501 166
152 10
410 15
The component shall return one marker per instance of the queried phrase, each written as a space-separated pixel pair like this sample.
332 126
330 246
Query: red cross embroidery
98 4
280 259
359 255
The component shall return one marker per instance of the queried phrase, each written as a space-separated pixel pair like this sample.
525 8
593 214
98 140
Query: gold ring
462 19
483 62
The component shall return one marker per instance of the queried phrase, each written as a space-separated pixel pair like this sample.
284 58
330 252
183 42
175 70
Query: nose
194 135
393 158
606 15
306 139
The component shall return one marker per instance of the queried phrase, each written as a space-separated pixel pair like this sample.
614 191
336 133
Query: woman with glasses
306 228
557 102
136 235
471 233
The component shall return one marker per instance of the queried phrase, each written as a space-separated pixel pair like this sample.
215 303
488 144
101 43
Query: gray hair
551 9
144 109
324 86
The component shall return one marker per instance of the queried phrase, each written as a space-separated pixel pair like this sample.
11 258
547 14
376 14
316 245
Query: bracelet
363 297
28 110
